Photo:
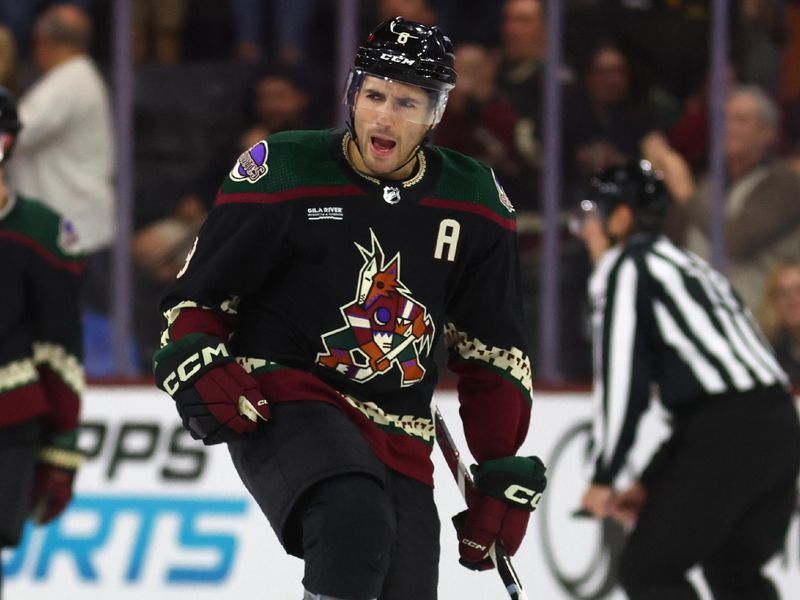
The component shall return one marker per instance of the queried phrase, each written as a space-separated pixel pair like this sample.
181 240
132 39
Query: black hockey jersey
335 287
41 374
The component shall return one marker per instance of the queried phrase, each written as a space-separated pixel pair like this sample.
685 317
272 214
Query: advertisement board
158 515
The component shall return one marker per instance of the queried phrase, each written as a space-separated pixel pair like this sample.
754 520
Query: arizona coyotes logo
384 327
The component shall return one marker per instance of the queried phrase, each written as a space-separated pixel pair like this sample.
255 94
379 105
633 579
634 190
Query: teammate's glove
215 397
507 490
53 477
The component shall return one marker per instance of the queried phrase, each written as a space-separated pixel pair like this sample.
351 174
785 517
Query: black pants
722 500
363 530
20 445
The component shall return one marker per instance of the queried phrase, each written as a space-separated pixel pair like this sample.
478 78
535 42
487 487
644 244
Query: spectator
762 35
520 80
413 10
280 99
762 212
779 315
65 150
670 39
159 251
17 16
604 120
157 28
521 74
688 134
790 64
481 123
8 59
524 42
291 24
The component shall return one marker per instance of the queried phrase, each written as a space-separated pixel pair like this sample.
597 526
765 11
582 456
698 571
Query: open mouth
382 146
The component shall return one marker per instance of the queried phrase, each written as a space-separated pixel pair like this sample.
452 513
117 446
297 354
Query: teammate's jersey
41 374
336 287
663 316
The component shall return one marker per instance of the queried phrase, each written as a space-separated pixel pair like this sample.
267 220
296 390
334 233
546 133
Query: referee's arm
623 392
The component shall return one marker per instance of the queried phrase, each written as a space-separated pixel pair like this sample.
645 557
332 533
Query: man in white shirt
65 153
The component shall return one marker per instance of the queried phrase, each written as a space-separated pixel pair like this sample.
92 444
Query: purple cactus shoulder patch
252 164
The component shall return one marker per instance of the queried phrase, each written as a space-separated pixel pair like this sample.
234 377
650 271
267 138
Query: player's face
390 120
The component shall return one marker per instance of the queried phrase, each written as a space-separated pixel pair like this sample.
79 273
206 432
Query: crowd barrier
157 515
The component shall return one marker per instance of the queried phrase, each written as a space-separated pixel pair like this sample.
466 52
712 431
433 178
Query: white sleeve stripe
706 374
598 422
621 346
670 277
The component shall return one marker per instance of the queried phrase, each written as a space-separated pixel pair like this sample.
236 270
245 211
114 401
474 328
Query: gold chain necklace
406 184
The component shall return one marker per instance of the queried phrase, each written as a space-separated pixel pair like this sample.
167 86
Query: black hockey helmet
406 52
410 52
9 123
636 184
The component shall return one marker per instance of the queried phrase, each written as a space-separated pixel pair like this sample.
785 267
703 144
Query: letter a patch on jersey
384 325
252 164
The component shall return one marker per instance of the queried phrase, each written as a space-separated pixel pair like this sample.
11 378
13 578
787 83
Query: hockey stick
463 478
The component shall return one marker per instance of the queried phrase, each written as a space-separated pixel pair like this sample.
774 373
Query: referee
721 490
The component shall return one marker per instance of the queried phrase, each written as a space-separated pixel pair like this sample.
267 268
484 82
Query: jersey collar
412 189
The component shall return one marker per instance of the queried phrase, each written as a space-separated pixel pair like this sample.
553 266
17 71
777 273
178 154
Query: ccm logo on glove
522 495
475 545
192 365
507 490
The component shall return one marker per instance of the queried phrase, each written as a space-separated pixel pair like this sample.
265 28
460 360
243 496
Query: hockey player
721 490
301 331
41 376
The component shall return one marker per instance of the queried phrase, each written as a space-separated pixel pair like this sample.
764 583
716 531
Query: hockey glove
507 490
216 398
54 476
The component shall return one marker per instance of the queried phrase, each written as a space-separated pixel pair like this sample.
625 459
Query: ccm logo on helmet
398 59
522 495
192 365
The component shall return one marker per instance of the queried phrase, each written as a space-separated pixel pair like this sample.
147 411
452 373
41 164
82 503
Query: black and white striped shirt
663 316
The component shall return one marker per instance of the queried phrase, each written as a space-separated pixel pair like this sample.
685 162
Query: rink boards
157 515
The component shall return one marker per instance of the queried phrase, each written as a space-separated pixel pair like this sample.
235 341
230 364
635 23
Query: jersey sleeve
487 350
54 283
240 243
622 393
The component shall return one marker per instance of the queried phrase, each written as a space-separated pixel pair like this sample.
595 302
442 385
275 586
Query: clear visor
396 99
585 211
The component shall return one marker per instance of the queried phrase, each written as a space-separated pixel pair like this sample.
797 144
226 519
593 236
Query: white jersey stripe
758 346
742 348
693 313
706 373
